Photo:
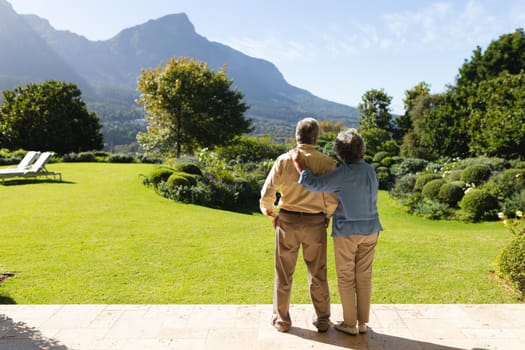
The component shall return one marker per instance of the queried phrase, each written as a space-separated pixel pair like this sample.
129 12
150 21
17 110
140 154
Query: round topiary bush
378 157
387 161
450 194
512 262
476 174
188 168
423 179
477 204
454 175
431 188
177 179
159 175
459 183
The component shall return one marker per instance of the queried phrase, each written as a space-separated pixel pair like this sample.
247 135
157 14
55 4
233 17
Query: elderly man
300 220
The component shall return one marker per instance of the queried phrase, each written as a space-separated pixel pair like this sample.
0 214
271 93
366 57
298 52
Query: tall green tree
403 123
189 106
48 116
374 110
497 119
506 54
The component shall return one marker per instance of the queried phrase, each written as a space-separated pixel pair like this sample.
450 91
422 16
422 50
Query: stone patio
151 327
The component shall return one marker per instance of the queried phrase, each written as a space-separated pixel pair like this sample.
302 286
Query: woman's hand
298 162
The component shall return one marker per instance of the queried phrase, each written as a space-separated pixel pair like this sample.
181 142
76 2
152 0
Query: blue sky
336 49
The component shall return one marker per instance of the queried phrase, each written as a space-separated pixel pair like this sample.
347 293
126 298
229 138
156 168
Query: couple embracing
313 190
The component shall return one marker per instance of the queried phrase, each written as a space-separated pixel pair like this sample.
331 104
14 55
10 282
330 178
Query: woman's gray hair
307 131
349 146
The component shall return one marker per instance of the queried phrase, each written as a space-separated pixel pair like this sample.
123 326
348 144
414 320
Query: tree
375 111
403 123
188 106
415 141
506 54
48 116
497 119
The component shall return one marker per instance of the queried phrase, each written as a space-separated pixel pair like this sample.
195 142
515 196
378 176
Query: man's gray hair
307 131
349 146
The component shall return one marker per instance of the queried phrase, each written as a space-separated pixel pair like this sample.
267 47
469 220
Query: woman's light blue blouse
356 186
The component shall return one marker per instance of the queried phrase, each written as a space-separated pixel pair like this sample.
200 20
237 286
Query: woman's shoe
340 326
362 328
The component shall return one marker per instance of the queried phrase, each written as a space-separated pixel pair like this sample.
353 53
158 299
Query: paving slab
159 327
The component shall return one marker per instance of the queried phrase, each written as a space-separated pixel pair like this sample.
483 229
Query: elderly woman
355 227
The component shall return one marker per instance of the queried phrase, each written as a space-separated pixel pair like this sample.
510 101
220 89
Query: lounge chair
38 169
25 163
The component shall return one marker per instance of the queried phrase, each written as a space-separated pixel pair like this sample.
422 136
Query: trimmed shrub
453 175
431 188
460 184
121 158
478 204
160 174
388 161
506 183
476 174
423 179
379 156
450 194
80 157
410 166
512 262
176 179
189 168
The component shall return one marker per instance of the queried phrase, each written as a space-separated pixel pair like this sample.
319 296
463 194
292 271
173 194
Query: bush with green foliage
476 174
403 186
410 166
188 167
511 262
431 209
378 157
121 158
423 179
177 179
160 174
82 157
478 205
453 175
388 161
384 177
503 184
450 194
245 149
431 189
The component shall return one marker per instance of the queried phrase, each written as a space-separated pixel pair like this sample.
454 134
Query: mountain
26 57
107 71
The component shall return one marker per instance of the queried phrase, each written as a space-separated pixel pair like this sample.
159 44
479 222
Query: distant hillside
107 70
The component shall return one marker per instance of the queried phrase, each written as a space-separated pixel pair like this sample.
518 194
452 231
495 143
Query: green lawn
102 237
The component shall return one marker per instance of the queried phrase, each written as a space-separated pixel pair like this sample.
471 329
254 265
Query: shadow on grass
18 335
6 300
20 182
370 340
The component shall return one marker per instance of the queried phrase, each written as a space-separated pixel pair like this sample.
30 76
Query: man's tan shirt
294 197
